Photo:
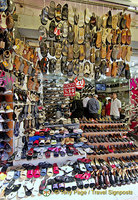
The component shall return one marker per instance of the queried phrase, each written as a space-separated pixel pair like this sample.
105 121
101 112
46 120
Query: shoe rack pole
115 6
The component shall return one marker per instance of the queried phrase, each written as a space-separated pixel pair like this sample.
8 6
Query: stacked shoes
84 44
82 174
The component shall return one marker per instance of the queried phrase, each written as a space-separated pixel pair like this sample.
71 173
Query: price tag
69 89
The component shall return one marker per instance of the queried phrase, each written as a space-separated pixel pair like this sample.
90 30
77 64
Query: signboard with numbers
69 89
79 83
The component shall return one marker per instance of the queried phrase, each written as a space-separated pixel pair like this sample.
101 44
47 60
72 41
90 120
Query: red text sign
69 89
79 83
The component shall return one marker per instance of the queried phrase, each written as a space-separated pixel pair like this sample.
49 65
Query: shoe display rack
108 140
6 124
55 103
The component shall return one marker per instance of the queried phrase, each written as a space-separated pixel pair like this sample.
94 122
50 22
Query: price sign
79 83
69 89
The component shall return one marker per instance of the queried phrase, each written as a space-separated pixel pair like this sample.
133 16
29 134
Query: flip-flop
37 172
55 169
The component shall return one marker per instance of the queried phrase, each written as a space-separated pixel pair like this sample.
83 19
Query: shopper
93 107
77 107
115 107
108 107
85 102
100 105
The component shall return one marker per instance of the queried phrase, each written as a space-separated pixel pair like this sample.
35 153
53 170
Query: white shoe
1 127
8 92
1 119
2 109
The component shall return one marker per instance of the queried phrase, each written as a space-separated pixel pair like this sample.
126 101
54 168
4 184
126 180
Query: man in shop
85 102
100 105
93 107
115 107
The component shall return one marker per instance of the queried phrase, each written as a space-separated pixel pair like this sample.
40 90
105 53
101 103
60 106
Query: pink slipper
37 172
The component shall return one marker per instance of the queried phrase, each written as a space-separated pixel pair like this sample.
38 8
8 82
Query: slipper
47 154
55 169
43 171
71 16
79 184
21 191
88 167
30 173
82 52
65 29
36 143
50 171
23 174
16 174
36 185
10 175
36 172
82 167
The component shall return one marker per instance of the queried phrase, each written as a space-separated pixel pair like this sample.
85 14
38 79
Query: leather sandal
87 69
87 47
82 52
58 13
109 35
119 52
51 29
70 34
128 37
92 55
51 11
109 51
123 36
124 52
114 69
92 21
97 58
103 51
114 21
114 37
108 69
58 50
128 21
103 67
109 19
115 52
104 20
65 29
104 35
70 53
81 35
65 12
99 39
129 53
76 50
118 40
65 47
52 48
98 22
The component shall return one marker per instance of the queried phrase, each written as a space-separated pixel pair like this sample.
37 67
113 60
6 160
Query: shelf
51 160
116 155
108 143
104 133
101 124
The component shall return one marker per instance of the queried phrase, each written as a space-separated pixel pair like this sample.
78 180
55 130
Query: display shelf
101 124
104 133
116 155
108 143
52 159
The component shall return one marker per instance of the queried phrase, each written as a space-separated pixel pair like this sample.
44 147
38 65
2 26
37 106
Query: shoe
2 109
1 119
1 127
8 92
8 109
